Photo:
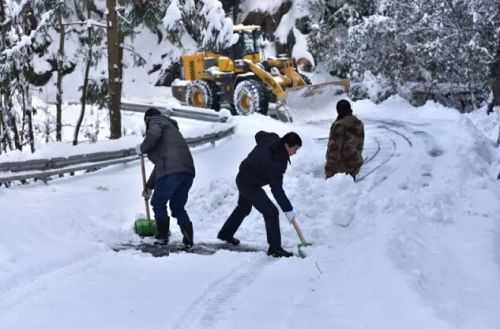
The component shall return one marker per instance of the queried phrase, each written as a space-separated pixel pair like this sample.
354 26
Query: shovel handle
143 172
299 231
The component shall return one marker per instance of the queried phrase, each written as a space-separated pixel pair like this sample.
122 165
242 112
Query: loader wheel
305 78
202 93
250 96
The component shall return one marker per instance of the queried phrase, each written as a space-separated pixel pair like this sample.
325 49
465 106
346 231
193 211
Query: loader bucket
315 102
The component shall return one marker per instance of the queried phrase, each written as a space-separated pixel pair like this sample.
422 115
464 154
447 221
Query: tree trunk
24 121
2 19
85 84
3 141
47 126
60 69
115 69
13 128
29 106
495 86
495 79
6 140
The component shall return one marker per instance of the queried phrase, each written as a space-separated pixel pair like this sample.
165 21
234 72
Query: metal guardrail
187 112
43 169
180 111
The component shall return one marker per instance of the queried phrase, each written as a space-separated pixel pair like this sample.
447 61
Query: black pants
251 195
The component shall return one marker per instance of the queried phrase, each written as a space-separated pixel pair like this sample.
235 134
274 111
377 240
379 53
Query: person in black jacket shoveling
172 175
265 165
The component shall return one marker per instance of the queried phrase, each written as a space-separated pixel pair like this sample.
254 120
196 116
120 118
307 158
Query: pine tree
451 42
374 58
202 20
328 38
20 41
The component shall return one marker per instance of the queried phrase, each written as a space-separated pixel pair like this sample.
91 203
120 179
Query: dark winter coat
166 148
345 146
266 164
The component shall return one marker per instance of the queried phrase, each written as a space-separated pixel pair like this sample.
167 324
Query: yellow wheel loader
239 78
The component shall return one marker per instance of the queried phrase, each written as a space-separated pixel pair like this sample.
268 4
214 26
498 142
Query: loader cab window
247 44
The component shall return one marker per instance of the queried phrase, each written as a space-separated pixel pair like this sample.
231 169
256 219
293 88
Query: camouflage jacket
345 145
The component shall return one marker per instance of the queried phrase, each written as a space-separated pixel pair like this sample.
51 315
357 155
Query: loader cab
247 46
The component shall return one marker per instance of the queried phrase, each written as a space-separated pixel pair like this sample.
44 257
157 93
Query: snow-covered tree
328 37
22 22
392 42
203 21
440 42
374 58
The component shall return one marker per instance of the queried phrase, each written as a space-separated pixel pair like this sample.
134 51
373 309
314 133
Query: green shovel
144 226
303 243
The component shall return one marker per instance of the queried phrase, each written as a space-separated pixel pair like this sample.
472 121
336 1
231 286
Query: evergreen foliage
204 21
446 44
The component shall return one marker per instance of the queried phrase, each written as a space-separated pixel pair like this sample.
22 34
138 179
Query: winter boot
231 240
162 230
278 252
187 232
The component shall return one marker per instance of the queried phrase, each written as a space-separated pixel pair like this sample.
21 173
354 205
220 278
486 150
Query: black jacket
266 164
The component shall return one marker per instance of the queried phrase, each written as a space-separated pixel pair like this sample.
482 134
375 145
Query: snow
286 24
300 48
263 6
218 24
172 16
487 123
137 82
413 244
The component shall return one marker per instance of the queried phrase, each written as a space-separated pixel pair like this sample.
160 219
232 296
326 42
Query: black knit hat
151 112
343 108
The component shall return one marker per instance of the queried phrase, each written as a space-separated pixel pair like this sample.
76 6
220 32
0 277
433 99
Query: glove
146 194
290 215
138 149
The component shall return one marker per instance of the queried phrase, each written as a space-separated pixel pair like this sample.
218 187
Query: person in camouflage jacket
345 143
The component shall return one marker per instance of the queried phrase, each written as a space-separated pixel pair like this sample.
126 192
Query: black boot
162 230
232 240
278 252
187 232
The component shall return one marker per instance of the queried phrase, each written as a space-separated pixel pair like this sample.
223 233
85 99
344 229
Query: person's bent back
264 165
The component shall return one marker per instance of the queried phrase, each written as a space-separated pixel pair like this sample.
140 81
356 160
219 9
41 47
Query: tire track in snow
381 159
403 131
25 286
423 143
210 306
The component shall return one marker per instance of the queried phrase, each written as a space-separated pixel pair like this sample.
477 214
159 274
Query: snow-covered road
413 244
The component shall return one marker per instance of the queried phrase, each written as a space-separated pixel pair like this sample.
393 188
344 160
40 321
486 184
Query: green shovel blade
145 227
301 249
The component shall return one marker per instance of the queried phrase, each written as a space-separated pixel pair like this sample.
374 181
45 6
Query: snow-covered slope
413 244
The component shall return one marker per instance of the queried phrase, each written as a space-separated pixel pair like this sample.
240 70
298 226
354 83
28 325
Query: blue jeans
174 188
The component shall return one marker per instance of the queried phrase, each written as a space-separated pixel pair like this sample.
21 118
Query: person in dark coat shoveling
172 175
265 165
